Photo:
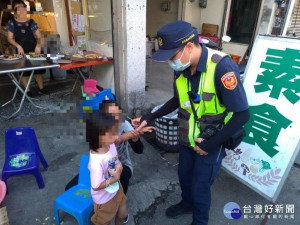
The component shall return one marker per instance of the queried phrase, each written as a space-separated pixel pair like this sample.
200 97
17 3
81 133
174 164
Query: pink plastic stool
2 191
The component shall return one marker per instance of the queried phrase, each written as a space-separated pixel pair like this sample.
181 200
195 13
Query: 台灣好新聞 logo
232 210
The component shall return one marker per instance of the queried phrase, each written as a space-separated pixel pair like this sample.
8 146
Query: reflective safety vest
208 110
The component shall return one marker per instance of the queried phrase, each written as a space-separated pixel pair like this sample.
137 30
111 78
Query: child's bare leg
121 214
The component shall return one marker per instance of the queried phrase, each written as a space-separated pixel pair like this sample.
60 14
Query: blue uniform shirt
235 100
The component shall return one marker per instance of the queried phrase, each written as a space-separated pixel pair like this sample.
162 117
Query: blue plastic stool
77 201
22 154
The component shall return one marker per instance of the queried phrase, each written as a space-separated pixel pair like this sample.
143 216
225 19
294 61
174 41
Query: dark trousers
125 176
196 177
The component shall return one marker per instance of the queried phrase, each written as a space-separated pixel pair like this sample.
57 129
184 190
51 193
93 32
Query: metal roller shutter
294 26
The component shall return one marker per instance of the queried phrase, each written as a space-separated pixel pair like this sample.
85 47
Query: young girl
108 196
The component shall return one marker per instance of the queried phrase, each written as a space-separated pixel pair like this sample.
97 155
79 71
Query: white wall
157 18
213 14
100 20
135 52
129 27
61 21
235 48
192 13
104 74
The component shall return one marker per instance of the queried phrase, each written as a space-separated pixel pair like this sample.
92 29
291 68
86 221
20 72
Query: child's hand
136 134
118 141
136 123
117 173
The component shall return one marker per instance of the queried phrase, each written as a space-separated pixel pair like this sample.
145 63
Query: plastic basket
166 134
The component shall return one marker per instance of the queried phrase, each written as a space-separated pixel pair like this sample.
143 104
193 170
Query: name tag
187 104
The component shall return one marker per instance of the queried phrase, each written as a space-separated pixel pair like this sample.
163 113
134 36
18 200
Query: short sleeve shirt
122 149
11 28
98 166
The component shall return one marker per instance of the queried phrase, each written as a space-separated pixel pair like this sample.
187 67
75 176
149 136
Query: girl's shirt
98 166
10 27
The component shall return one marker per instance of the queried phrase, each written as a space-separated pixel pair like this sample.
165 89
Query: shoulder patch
229 80
216 58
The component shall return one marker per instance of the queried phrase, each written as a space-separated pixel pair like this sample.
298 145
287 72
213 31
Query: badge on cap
229 80
160 41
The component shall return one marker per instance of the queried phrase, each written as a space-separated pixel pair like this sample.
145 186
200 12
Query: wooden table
74 66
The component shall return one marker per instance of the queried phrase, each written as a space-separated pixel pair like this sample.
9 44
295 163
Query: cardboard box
45 23
210 29
76 8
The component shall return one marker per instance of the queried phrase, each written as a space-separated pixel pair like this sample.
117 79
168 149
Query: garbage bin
166 133
58 74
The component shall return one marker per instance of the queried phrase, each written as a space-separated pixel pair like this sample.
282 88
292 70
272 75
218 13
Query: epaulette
216 58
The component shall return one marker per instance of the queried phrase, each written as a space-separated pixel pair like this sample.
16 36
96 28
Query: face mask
177 65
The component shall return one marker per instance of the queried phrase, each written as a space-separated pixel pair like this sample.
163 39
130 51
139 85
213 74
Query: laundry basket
167 131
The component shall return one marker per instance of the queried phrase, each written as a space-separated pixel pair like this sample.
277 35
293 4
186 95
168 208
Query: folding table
21 65
74 66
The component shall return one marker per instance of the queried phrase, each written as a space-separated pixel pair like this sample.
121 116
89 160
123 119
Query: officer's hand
148 129
142 125
198 140
137 123
199 150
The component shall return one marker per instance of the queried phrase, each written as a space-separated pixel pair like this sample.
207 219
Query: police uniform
216 93
197 172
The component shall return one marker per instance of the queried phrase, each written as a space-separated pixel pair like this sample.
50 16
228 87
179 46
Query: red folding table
74 66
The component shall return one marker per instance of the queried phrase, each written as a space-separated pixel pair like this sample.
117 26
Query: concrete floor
154 185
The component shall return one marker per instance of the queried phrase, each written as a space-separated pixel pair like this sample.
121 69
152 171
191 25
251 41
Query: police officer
212 107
